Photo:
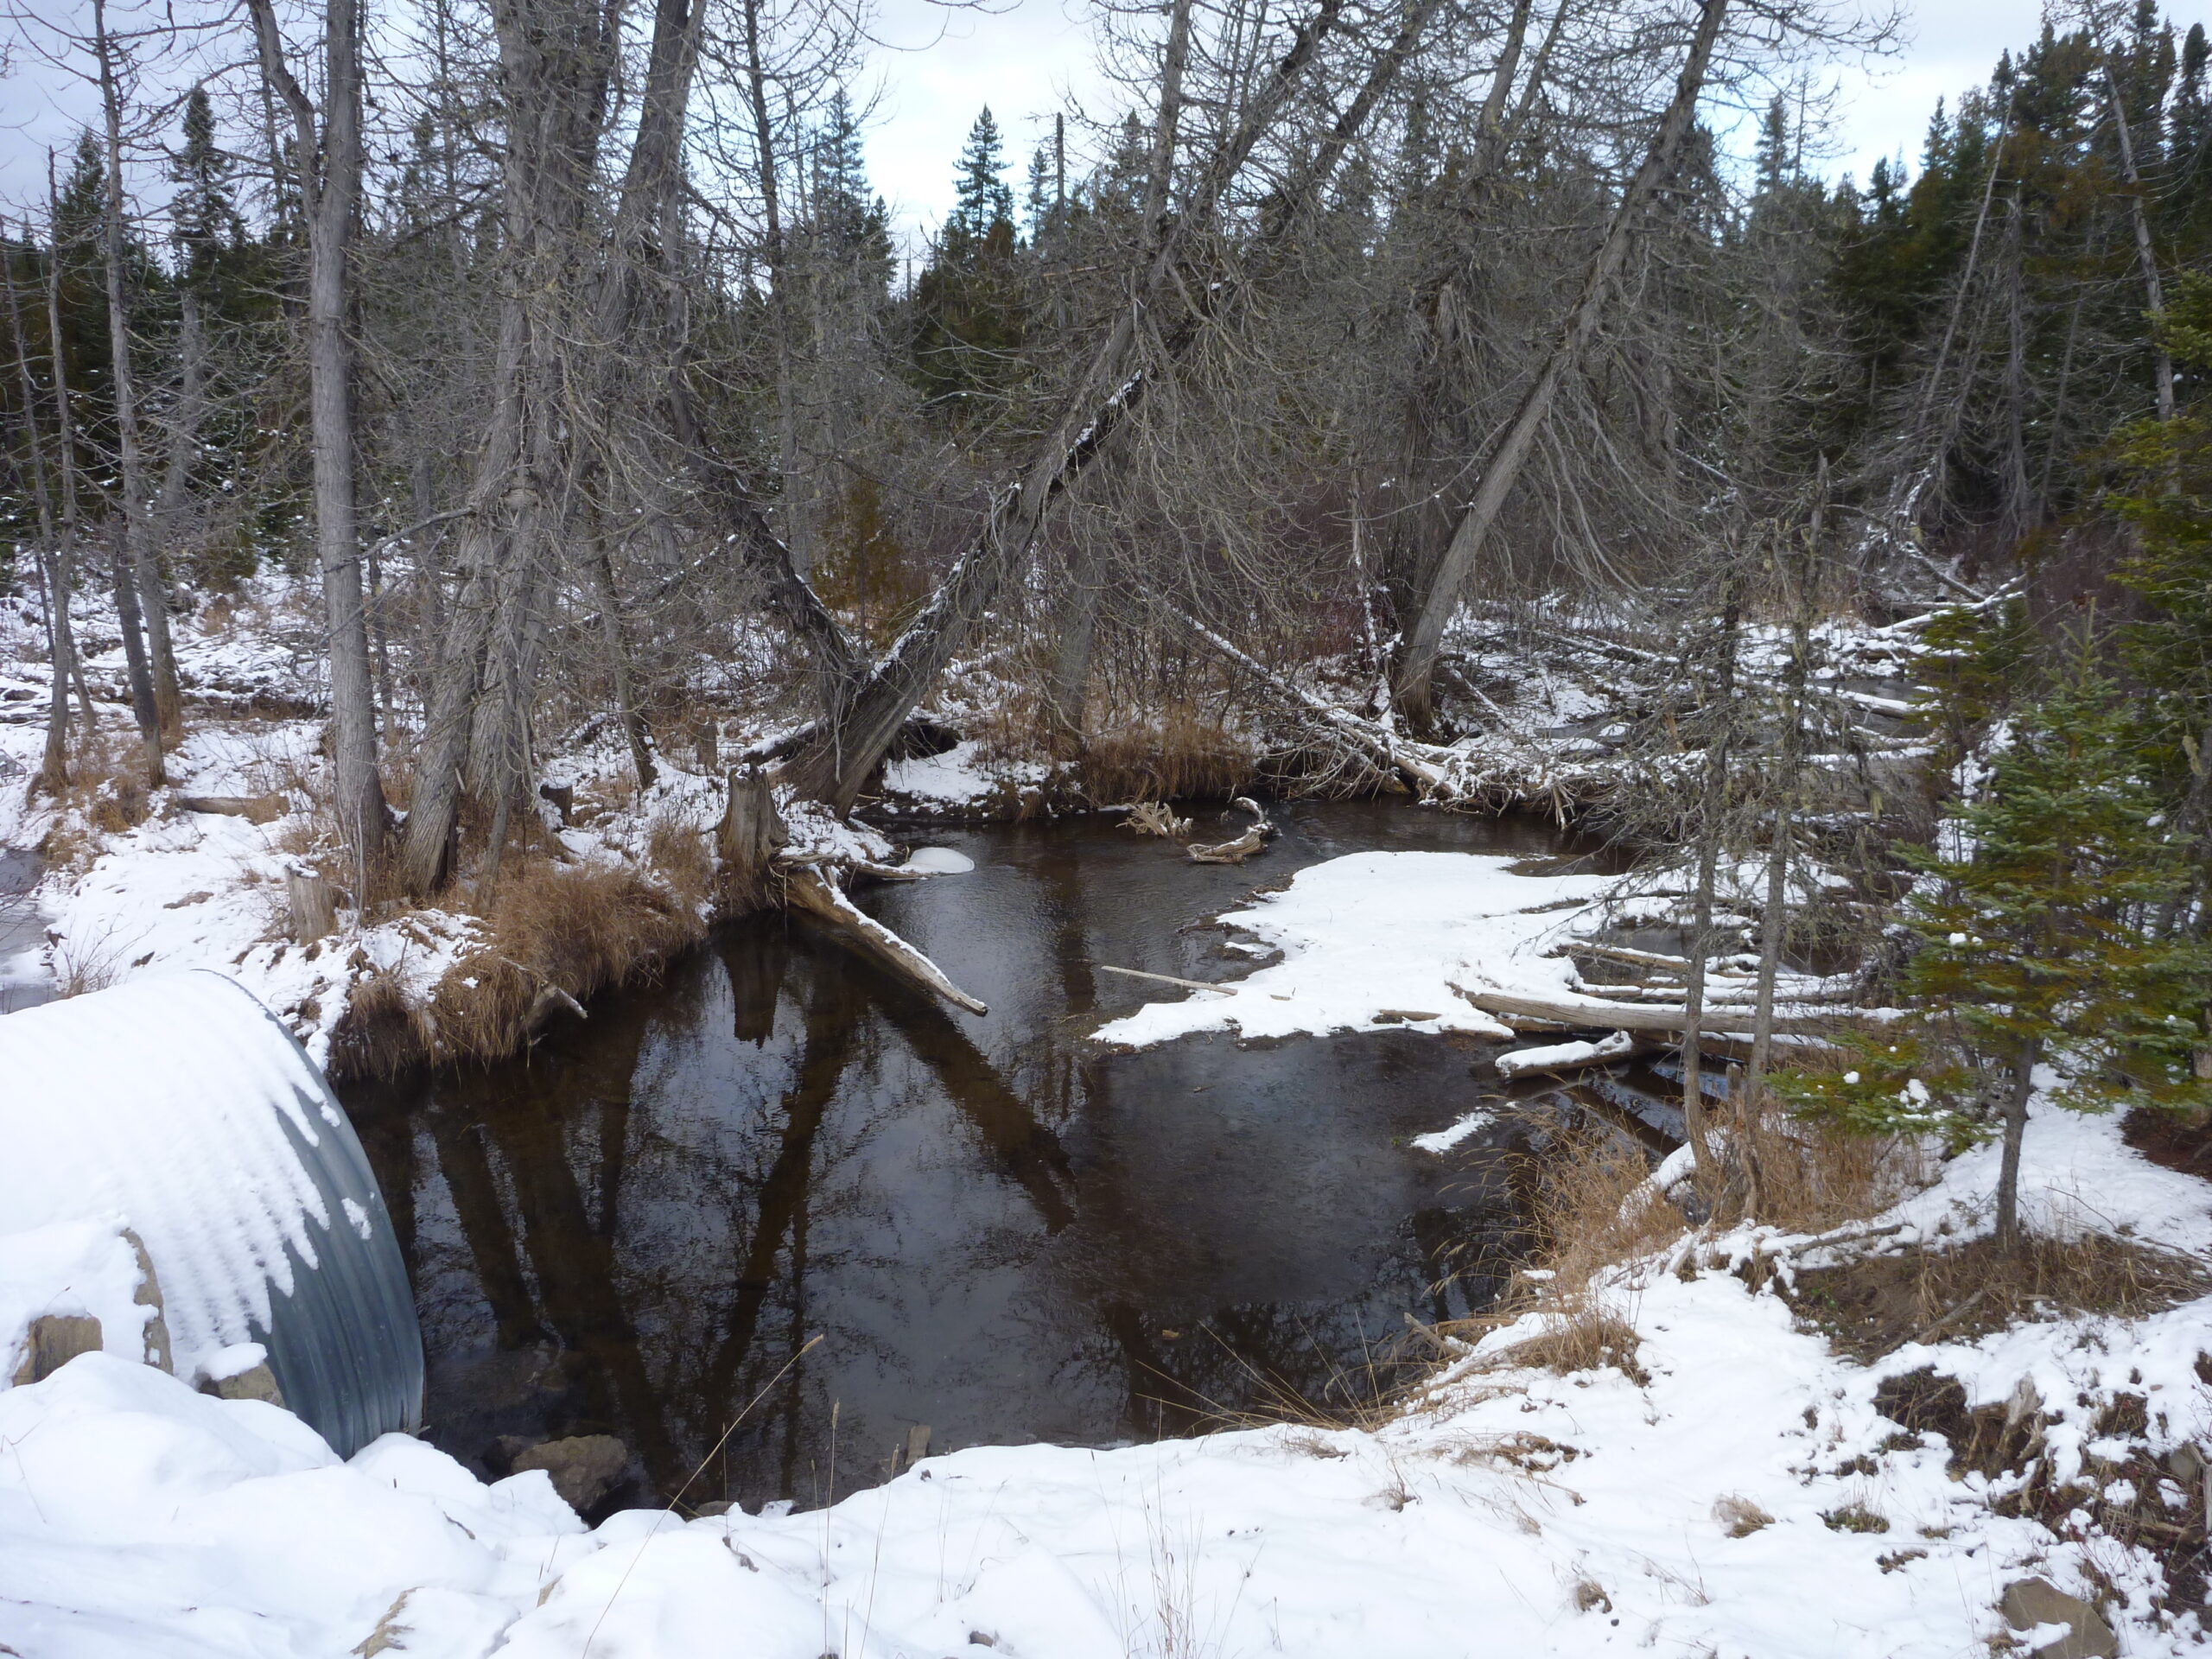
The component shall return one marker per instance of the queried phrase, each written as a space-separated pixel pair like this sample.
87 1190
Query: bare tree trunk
1511 451
65 436
2016 1125
54 579
328 195
153 593
2145 254
191 409
1711 814
798 531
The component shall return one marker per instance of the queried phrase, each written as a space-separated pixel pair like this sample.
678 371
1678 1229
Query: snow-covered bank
1740 1496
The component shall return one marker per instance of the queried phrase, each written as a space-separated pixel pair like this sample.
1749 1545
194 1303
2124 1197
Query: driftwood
313 908
812 892
1156 818
254 809
747 839
1236 851
1549 1012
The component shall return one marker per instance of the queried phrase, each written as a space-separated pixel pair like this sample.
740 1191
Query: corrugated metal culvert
182 1107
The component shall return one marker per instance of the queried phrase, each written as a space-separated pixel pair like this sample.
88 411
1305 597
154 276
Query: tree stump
747 840
313 907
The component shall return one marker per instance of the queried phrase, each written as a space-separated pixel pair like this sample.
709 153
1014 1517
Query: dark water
994 1228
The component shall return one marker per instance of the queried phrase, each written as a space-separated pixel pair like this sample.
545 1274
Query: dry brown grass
1182 754
677 851
1875 1304
1587 1214
382 1033
558 933
1812 1179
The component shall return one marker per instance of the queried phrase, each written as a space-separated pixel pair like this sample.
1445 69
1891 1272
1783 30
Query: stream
989 1227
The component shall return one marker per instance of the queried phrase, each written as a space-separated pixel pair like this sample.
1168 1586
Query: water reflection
994 1228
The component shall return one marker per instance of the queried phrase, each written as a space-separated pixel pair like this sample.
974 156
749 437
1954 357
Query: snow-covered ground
1737 1494
1517 1512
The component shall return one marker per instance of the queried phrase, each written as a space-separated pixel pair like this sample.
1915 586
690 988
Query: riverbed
777 1223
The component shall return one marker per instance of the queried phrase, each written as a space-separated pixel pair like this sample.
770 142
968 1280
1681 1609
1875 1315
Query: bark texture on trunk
329 193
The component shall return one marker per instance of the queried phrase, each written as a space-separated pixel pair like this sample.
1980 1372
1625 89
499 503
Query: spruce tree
981 197
2036 945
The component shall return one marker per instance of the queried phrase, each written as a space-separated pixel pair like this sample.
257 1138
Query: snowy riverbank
1518 1511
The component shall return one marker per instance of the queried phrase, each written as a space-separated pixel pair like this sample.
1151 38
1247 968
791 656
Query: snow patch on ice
1387 934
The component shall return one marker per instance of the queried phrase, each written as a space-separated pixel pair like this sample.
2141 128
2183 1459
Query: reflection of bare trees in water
675 1307
640 1231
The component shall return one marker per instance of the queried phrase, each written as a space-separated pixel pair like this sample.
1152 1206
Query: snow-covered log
1571 1056
814 892
178 1108
1579 1013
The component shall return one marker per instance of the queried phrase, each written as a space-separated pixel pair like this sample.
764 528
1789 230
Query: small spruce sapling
2034 947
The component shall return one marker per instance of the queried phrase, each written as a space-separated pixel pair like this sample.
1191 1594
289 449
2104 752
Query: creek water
987 1226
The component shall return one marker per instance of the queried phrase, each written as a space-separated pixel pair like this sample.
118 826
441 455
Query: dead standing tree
1516 441
1106 393
328 178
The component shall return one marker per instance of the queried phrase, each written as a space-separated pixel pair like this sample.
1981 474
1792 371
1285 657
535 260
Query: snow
939 860
1444 1139
1619 1046
1376 934
961 777
1516 1512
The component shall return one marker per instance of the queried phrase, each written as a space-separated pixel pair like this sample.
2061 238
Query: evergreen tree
981 197
2037 947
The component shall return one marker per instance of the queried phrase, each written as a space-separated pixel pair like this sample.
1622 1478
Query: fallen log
1573 1057
815 894
254 809
1578 1014
1165 979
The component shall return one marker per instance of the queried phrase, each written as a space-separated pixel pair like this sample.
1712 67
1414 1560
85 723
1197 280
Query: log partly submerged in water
814 892
1582 1013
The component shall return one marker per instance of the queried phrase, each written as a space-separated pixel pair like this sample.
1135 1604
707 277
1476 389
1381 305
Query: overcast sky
1026 58
1022 61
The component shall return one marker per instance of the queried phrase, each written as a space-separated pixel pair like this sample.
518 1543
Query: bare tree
328 178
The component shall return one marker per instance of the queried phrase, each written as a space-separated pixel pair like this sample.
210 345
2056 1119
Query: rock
584 1467
713 1507
56 1340
1738 1517
2029 1602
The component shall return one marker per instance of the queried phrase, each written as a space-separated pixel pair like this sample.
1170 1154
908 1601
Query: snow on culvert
178 1106
1374 939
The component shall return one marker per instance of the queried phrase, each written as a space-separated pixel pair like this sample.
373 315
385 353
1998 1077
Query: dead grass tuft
1587 1213
1182 754
558 933
677 851
1876 1304
382 1032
